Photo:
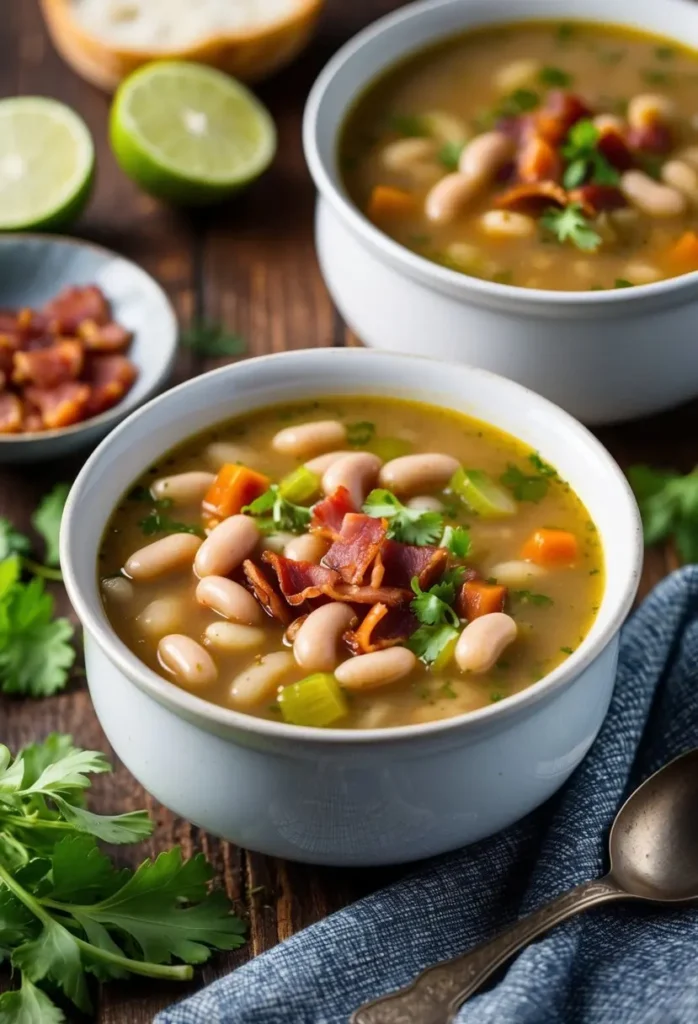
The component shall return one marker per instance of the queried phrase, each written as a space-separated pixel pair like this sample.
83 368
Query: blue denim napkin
618 965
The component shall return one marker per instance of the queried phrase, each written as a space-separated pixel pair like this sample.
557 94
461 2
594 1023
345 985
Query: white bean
226 546
482 641
681 176
322 462
117 590
642 273
516 573
412 474
405 155
163 615
650 197
517 74
357 472
445 127
275 541
219 453
689 155
187 660
308 439
260 681
306 548
648 109
183 488
163 556
379 668
485 154
426 503
507 224
316 647
229 599
232 636
449 196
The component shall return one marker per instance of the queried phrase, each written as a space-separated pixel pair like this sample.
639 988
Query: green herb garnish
543 467
584 160
408 125
457 542
669 507
554 77
408 525
47 520
566 650
67 913
430 642
620 282
360 434
564 32
213 341
664 52
524 487
274 513
570 224
528 597
158 522
433 607
449 155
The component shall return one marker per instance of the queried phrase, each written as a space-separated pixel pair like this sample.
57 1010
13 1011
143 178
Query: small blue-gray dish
35 268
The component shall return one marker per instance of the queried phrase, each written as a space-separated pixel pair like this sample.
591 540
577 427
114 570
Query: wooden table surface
251 266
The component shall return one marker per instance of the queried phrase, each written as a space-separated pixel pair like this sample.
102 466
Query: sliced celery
387 448
316 700
300 485
481 494
445 655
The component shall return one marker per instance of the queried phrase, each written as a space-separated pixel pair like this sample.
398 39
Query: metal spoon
653 849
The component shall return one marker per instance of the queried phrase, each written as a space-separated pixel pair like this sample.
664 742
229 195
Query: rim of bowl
185 704
301 10
122 408
328 180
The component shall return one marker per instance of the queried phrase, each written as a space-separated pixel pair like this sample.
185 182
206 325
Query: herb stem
44 571
19 822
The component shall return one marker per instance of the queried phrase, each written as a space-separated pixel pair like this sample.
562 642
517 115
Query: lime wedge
188 133
482 494
46 163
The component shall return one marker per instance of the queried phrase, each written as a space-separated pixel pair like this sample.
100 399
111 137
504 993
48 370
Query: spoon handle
437 993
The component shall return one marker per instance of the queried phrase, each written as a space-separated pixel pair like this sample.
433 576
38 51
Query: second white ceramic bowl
338 796
603 356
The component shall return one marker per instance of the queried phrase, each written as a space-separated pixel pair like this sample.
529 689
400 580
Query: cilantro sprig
440 623
407 525
157 521
67 914
46 520
669 507
585 162
274 513
570 225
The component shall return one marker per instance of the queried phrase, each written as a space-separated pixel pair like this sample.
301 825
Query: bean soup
356 563
557 156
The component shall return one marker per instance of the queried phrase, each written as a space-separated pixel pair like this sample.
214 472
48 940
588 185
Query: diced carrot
388 203
234 487
477 597
550 547
684 253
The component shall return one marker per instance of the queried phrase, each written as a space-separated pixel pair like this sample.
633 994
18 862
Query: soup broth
453 534
556 156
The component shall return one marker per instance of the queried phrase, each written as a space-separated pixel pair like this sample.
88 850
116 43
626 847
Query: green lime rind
189 134
47 164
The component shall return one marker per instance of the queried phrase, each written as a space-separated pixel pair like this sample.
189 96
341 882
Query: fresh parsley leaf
570 224
29 1005
575 173
669 507
274 513
449 155
554 77
566 650
584 159
35 650
360 434
213 341
429 642
620 282
523 486
407 525
456 540
544 468
157 522
664 52
433 607
12 542
528 597
47 520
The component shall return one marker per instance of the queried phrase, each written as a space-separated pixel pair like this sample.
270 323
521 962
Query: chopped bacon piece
110 378
300 581
10 413
557 115
532 198
652 138
265 589
329 514
355 549
613 146
30 325
402 562
111 337
477 597
74 305
49 367
538 161
60 406
595 199
381 627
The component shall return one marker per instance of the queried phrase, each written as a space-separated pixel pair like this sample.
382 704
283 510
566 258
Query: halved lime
46 163
482 494
188 133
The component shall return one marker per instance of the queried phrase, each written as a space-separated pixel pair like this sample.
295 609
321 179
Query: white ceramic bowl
341 796
604 356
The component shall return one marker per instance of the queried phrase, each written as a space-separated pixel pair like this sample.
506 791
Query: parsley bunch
584 160
669 507
570 224
440 622
157 520
274 513
36 653
407 525
67 913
